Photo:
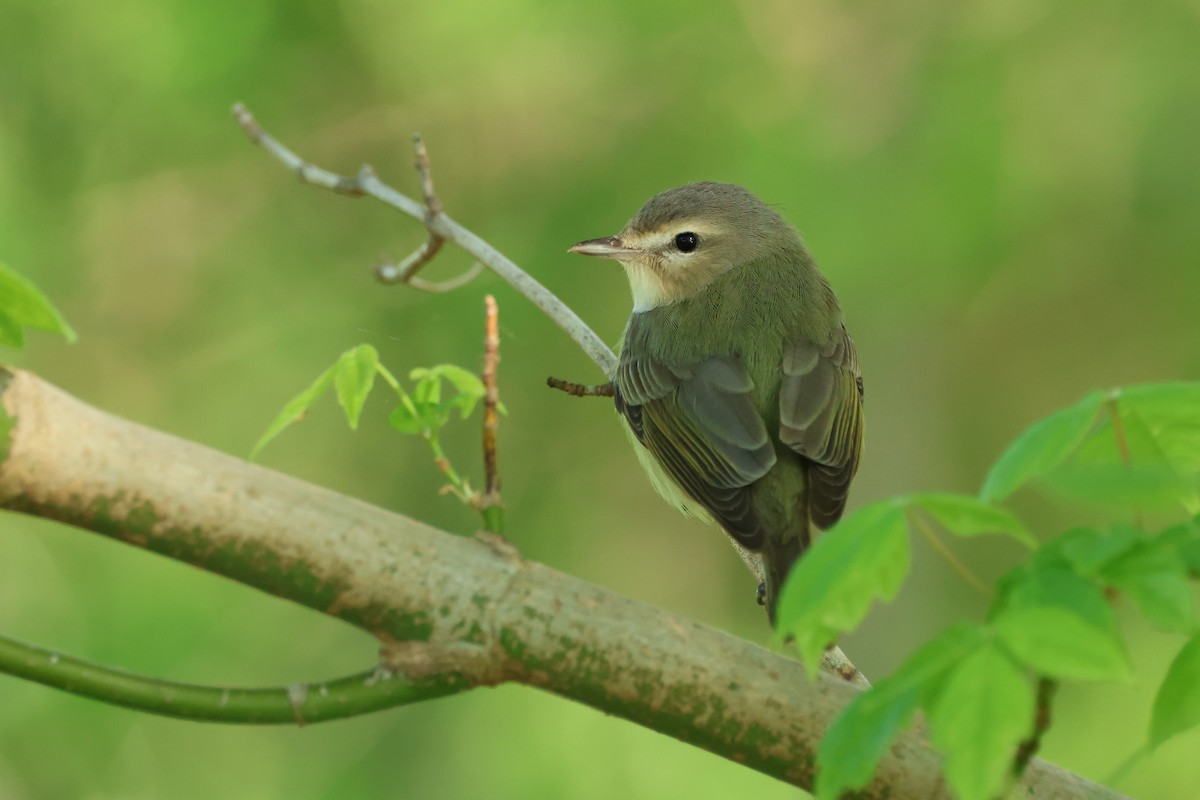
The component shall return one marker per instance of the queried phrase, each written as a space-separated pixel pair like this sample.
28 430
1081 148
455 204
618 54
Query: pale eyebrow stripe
662 235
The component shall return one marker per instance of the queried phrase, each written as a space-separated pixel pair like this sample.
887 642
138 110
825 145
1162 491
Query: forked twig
367 183
406 270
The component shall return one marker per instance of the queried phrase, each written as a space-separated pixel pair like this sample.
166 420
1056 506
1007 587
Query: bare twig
489 501
406 270
392 273
441 224
580 389
308 173
433 203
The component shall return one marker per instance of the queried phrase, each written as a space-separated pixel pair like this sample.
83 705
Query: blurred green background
1004 194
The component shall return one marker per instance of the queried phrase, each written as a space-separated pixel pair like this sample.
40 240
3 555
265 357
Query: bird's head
685 238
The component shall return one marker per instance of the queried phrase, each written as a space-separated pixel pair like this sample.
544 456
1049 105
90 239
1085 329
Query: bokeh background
1005 195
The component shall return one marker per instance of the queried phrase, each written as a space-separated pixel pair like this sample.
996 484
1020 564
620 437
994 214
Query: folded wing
821 419
701 425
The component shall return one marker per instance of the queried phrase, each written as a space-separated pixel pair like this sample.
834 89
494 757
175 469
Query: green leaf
1043 446
295 410
1136 439
1087 550
964 515
354 377
1154 575
1171 412
859 738
1155 459
23 306
11 333
463 401
415 420
1140 486
463 380
830 589
980 716
1177 704
855 743
1190 553
1153 571
428 391
1056 642
1060 625
469 388
1184 539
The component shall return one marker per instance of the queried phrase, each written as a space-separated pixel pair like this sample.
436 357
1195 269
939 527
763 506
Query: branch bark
447 609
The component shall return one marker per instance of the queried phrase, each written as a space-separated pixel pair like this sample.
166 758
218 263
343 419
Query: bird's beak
608 247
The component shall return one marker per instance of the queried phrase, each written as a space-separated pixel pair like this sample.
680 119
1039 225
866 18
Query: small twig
489 502
458 485
367 183
281 705
308 173
580 389
391 273
406 270
433 203
1028 748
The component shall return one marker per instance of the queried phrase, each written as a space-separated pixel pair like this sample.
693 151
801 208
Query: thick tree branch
447 608
440 227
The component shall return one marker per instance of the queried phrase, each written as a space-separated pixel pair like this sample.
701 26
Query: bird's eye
687 242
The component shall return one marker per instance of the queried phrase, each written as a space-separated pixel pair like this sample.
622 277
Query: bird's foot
761 597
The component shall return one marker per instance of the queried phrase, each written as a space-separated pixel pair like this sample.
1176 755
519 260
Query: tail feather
778 556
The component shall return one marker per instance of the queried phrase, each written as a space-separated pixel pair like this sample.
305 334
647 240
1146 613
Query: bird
736 378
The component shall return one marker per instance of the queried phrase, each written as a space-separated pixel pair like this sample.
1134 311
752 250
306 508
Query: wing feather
701 425
821 419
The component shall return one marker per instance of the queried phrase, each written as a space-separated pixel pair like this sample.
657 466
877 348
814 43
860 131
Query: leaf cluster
437 394
1051 618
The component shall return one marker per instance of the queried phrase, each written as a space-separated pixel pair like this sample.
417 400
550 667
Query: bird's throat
647 285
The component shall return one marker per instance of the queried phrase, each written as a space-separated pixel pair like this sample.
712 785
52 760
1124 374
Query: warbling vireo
736 376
